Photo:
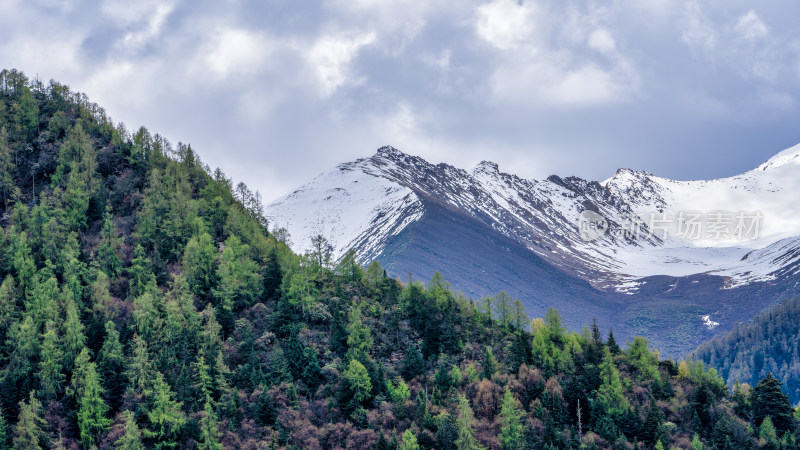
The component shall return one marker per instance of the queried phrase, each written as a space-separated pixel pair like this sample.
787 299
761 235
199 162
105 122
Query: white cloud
330 58
145 20
602 41
698 31
506 24
236 51
751 27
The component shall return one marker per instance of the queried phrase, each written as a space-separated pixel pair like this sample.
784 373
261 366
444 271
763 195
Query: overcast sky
277 91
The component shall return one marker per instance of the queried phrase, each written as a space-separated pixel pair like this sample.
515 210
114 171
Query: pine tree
165 414
110 243
511 414
489 363
29 433
200 264
139 369
74 340
92 409
50 375
413 365
768 435
111 363
358 381
466 439
611 343
409 441
209 431
769 400
611 401
132 437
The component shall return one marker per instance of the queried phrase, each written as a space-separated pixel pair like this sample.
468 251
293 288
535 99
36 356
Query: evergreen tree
358 381
466 439
610 400
489 363
769 400
409 441
132 437
107 251
413 365
200 264
511 415
50 375
165 415
92 409
611 343
111 363
209 439
29 433
768 435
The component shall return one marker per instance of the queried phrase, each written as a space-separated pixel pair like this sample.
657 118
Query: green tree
132 436
413 365
200 264
610 400
29 433
359 336
512 428
770 401
209 431
110 243
165 415
111 363
358 381
409 441
50 375
139 368
239 280
489 363
768 435
92 413
74 339
466 438
7 185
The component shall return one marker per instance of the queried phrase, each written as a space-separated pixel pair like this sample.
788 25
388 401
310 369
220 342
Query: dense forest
145 304
770 343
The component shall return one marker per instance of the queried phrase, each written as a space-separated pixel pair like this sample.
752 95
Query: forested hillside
144 304
770 343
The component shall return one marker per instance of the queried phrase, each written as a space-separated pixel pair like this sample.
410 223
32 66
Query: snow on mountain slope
350 208
362 204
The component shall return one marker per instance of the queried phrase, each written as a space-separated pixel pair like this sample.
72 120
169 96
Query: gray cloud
275 92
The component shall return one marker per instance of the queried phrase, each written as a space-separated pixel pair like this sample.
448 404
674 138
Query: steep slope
767 344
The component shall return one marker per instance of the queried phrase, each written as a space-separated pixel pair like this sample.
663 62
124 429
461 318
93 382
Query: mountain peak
387 151
486 167
789 156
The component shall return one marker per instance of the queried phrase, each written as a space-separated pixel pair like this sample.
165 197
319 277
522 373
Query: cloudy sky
277 91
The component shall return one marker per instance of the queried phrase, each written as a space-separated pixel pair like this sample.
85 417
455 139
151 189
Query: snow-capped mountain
362 204
415 217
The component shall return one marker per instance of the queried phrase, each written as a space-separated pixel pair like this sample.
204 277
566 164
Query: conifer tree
511 415
132 437
92 414
29 433
111 363
770 401
50 375
466 438
209 431
165 414
409 441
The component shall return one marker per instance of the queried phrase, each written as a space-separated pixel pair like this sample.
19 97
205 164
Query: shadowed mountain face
488 231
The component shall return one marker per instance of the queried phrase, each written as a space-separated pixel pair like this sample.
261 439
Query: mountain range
675 261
